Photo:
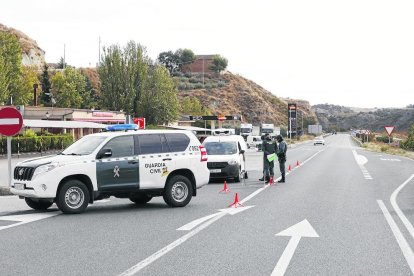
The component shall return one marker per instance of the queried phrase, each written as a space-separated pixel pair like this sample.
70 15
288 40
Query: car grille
23 173
216 165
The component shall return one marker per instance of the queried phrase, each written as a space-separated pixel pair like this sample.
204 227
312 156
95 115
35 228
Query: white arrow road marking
10 121
194 223
361 161
402 242
231 211
23 219
397 209
215 217
296 232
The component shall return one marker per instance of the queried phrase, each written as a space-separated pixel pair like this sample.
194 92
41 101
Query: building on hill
200 65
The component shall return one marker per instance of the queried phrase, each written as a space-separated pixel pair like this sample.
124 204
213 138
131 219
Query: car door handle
133 162
166 159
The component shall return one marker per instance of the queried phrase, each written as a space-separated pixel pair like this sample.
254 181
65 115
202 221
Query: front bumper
229 171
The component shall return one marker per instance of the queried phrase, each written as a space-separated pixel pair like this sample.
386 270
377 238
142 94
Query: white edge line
397 209
136 268
149 260
402 242
196 222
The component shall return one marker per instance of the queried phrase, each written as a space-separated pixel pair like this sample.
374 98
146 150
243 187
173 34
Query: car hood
63 159
222 158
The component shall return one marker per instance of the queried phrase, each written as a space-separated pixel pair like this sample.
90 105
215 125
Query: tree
11 76
61 64
191 106
169 60
28 78
123 73
68 88
46 96
159 103
408 144
177 60
219 64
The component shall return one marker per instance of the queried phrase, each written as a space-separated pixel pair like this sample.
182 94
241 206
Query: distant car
226 157
318 141
253 141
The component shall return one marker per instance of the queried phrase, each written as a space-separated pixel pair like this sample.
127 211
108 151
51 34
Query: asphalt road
356 207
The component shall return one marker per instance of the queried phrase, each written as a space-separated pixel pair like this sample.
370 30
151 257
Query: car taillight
203 154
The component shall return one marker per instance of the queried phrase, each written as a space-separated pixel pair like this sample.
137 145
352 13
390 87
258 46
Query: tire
140 199
246 176
178 191
40 205
237 178
73 197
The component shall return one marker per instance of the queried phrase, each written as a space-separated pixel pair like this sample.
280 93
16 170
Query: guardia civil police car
137 165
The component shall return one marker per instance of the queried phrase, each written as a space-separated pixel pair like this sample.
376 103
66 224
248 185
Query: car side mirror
242 151
105 153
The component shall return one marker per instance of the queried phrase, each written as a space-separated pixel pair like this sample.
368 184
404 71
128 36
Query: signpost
389 130
292 107
11 122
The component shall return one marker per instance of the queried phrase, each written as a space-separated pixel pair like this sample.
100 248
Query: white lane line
361 161
149 260
144 263
397 209
23 219
402 242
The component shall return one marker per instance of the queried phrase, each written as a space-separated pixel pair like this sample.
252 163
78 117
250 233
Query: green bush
408 144
384 148
208 85
198 85
193 80
182 86
190 86
383 139
36 143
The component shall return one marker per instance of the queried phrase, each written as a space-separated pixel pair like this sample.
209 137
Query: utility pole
99 52
64 56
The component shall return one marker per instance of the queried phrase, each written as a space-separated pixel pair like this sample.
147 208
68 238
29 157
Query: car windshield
246 130
221 148
84 146
267 130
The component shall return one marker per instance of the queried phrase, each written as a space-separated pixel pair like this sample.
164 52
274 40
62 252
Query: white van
226 157
253 141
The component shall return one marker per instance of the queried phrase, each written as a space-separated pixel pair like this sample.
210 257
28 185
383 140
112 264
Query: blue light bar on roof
122 127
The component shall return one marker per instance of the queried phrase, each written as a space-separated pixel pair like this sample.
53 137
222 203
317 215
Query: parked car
226 157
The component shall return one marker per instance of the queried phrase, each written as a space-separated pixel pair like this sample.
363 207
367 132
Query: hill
230 94
344 118
32 54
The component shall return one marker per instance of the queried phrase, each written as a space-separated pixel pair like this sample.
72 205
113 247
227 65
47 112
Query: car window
121 146
149 143
177 141
221 148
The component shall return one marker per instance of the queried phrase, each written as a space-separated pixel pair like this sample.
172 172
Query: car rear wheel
38 204
73 197
178 191
140 199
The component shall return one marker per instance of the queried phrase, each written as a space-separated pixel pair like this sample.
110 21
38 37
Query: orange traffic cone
236 202
289 168
297 164
225 189
271 181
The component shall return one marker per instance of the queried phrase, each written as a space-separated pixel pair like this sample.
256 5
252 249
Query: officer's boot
283 179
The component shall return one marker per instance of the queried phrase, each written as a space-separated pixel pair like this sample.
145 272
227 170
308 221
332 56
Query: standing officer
268 147
281 156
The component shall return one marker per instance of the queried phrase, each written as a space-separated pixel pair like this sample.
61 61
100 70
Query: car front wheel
178 191
73 197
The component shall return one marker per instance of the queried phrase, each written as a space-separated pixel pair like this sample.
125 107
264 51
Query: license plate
215 171
19 186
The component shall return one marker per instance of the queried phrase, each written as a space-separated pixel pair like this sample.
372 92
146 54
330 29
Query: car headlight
233 162
45 168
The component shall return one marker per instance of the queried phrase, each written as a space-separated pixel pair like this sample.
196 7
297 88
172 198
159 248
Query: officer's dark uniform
268 147
281 156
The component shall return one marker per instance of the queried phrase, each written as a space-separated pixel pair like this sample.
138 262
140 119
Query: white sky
348 52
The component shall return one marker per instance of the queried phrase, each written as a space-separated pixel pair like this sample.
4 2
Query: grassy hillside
231 94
